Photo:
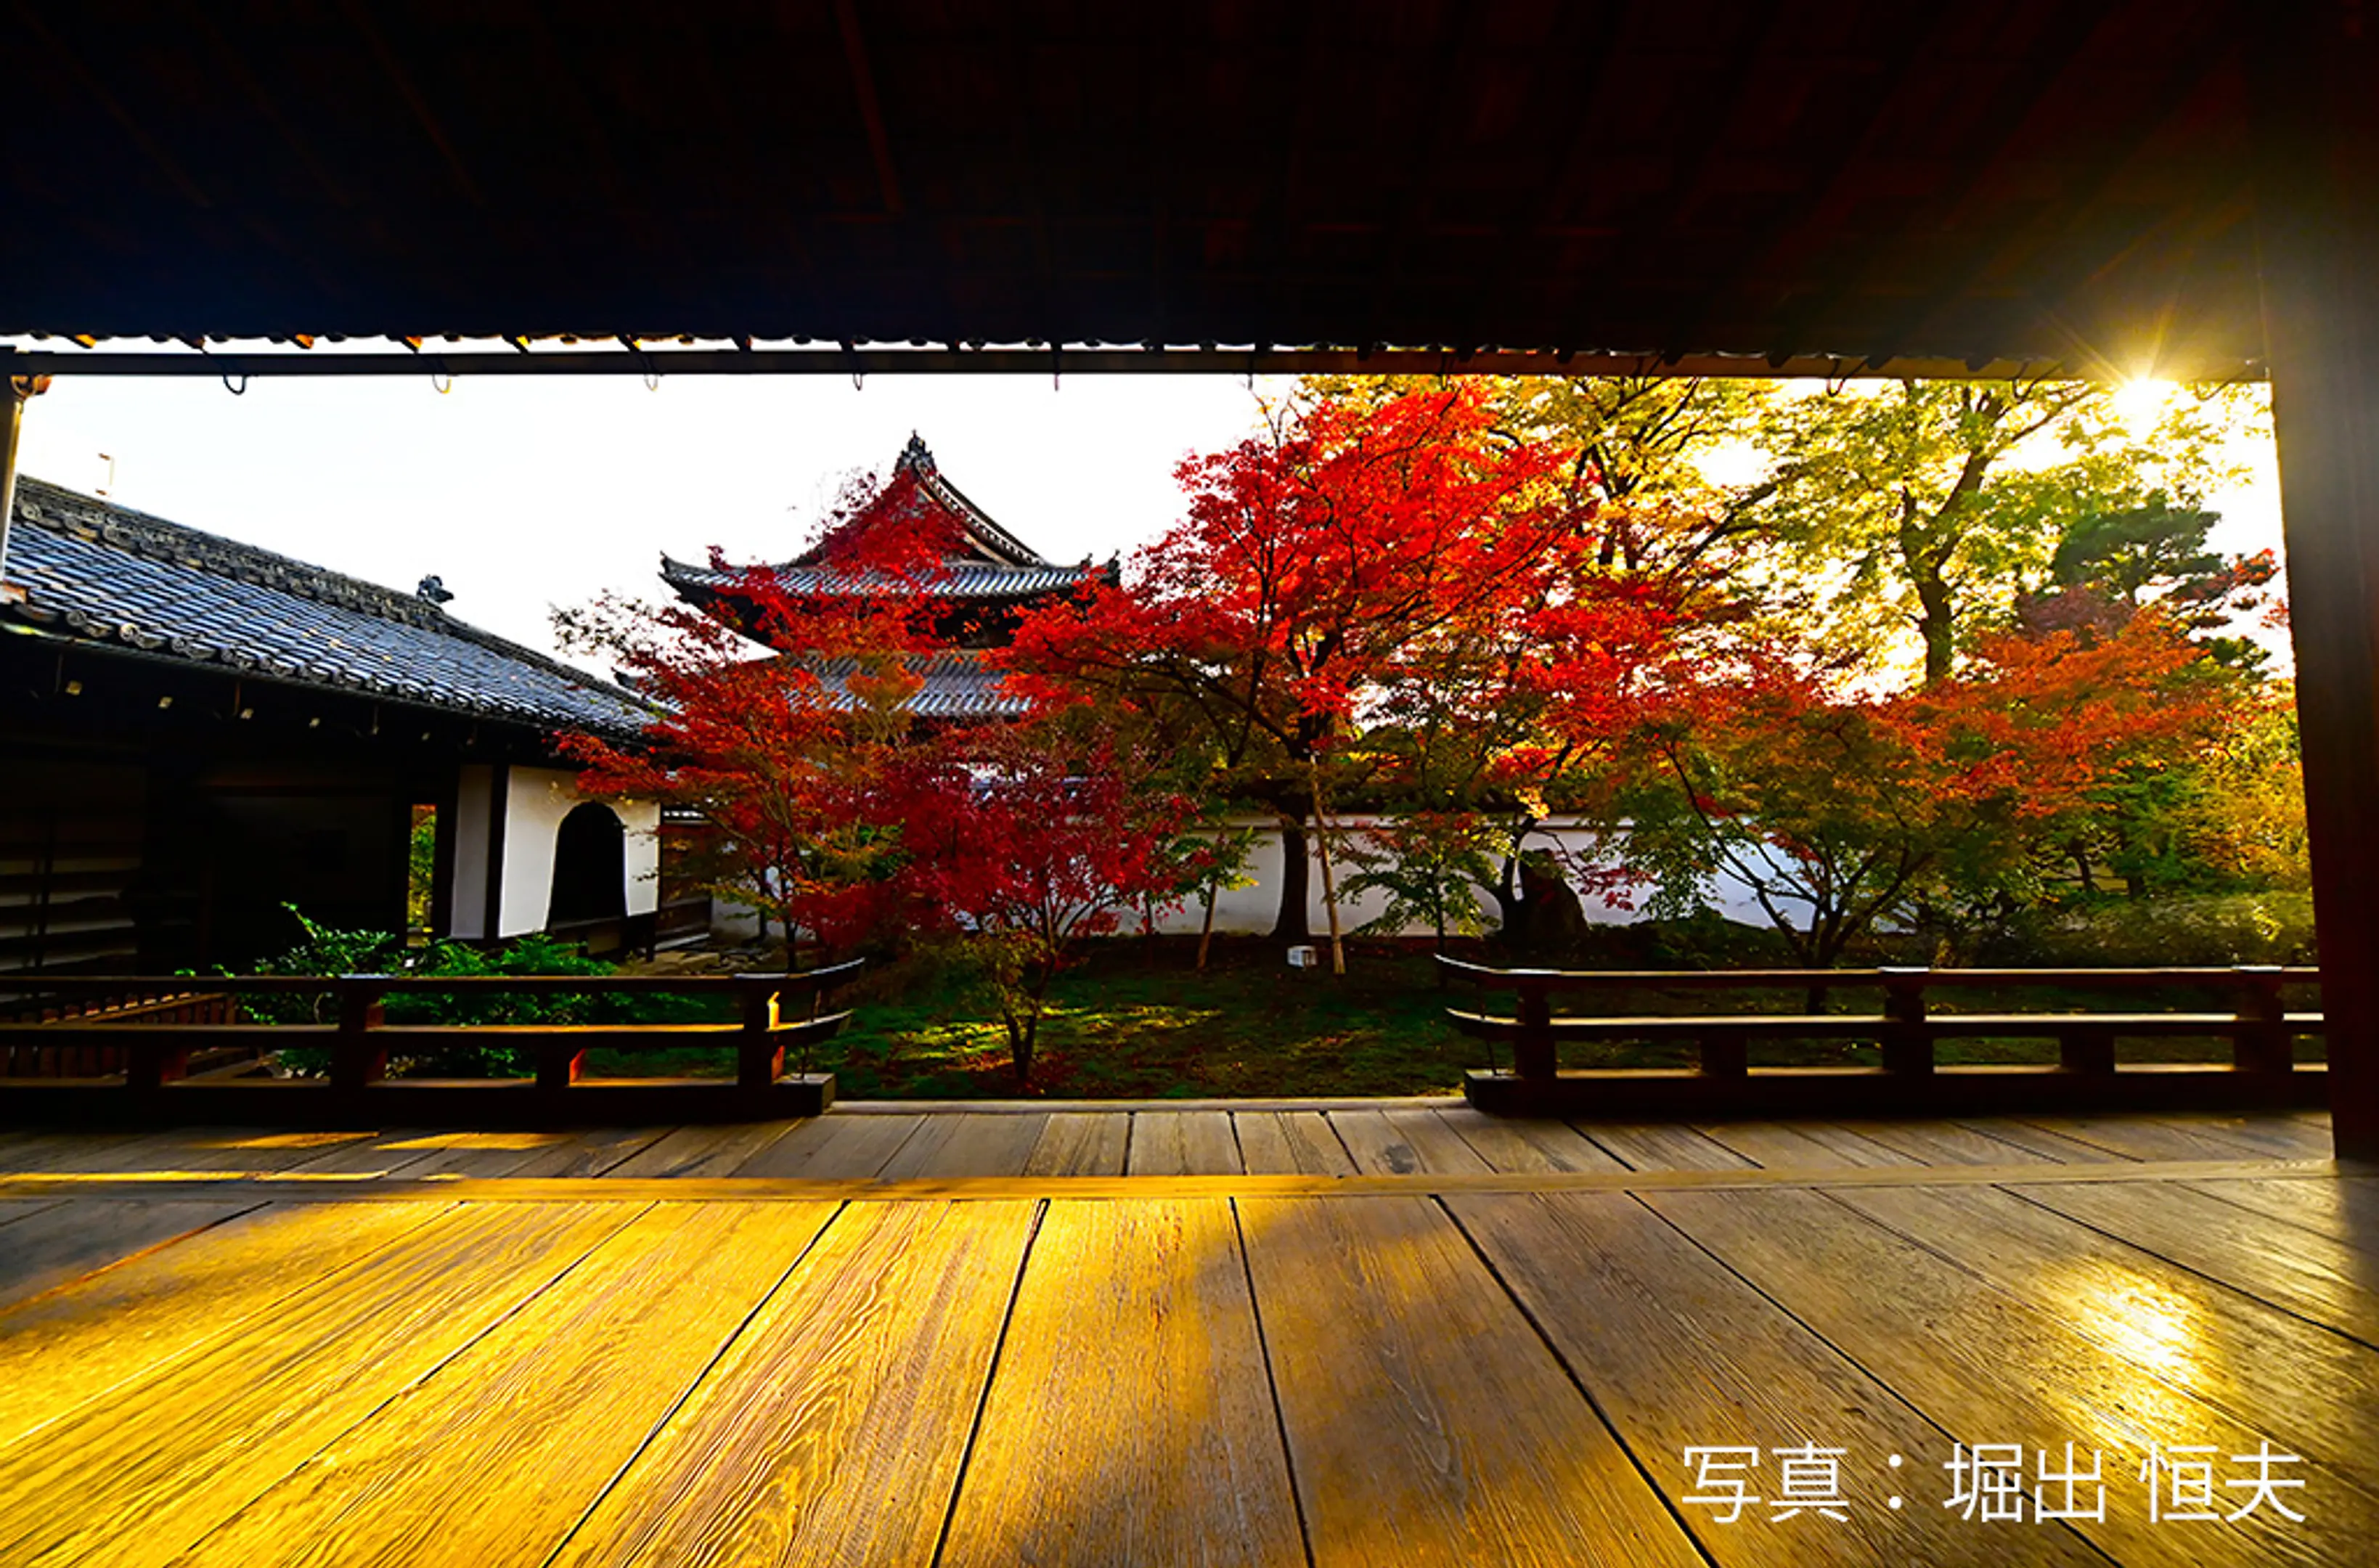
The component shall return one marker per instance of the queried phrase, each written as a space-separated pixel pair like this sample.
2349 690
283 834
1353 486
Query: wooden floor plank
1523 1144
496 1458
1290 1142
79 1342
1402 1142
962 1145
2153 1137
830 1147
1661 1146
72 1240
474 1154
565 1155
1129 1421
206 1149
62 1150
17 1209
594 1153
1182 1143
2330 1282
1933 1142
2310 1388
833 1427
1081 1143
703 1150
2346 1210
399 1151
1990 1368
2282 1138
1428 1423
1680 1353
1804 1146
191 1443
2040 1141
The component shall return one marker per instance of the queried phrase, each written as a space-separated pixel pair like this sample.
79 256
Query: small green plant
328 951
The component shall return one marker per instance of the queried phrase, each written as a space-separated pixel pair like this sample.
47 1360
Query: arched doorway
590 868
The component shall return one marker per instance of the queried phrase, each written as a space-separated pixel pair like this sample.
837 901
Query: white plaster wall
469 902
1252 910
537 801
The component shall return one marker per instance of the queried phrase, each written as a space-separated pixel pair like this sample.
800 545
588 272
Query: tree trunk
1511 910
1019 1046
1295 883
1938 624
1329 893
1206 927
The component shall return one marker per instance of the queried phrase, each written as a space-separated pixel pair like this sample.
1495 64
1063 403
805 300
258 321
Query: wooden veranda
1361 1334
1370 1333
2104 188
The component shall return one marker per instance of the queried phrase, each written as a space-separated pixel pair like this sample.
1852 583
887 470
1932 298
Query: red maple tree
1318 568
836 813
1840 813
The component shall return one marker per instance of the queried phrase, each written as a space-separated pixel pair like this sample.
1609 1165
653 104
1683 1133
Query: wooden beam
1836 192
401 80
499 782
871 112
2317 208
2088 194
1086 359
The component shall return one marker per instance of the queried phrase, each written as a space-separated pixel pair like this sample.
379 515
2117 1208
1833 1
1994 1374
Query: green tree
1931 504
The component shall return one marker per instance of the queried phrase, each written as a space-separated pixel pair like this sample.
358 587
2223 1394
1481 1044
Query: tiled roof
128 581
958 685
967 580
982 561
917 459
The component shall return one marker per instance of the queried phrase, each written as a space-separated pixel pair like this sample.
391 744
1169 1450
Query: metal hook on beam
239 390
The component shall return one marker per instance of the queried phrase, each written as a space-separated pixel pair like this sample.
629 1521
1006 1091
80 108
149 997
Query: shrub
328 951
2211 929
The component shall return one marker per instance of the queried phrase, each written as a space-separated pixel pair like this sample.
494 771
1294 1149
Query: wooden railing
34 1057
774 1014
1906 1027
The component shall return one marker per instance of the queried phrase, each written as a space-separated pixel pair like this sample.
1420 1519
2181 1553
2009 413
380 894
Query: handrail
2261 1030
401 983
360 1039
1757 979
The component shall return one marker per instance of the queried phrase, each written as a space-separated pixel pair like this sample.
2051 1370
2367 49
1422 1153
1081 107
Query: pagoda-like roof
978 560
959 683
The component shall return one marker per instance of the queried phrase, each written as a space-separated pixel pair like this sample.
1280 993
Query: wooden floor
1383 1332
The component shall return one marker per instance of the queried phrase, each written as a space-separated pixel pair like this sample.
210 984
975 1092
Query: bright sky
527 492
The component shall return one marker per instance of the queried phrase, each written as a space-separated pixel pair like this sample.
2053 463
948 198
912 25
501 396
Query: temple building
984 577
199 734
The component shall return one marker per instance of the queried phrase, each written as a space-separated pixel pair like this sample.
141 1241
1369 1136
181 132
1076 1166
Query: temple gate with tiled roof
983 577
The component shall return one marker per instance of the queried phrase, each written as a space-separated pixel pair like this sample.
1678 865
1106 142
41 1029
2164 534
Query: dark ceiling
2055 180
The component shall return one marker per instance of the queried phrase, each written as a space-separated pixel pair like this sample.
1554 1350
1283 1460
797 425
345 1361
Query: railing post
2084 1048
356 1058
1532 1053
1725 1055
760 1056
2262 1041
559 1063
147 1067
1907 1046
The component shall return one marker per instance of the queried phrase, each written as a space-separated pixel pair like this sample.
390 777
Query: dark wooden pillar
2316 107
